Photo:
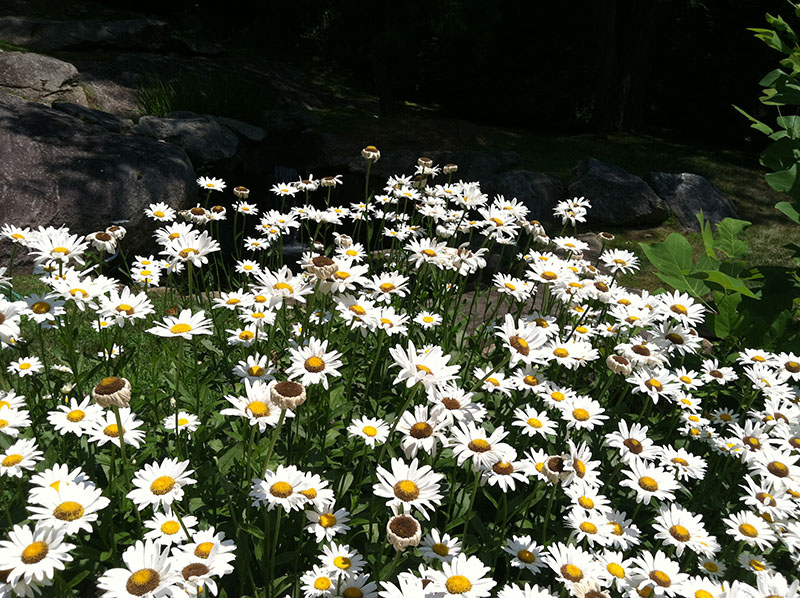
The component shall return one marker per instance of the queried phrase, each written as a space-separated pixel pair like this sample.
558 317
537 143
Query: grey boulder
688 194
57 170
110 122
203 138
618 198
40 78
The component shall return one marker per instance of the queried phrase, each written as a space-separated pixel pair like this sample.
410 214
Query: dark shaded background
667 67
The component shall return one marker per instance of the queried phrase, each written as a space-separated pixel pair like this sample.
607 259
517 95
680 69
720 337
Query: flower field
436 397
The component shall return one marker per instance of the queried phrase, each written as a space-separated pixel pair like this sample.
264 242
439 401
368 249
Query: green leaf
783 180
789 210
673 260
233 455
755 123
727 319
791 124
724 281
708 237
728 241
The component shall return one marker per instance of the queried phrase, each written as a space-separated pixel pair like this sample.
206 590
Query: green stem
471 505
274 438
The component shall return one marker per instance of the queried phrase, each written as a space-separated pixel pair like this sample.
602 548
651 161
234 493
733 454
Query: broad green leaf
789 210
728 241
727 319
791 124
708 237
755 123
783 180
728 283
693 286
673 260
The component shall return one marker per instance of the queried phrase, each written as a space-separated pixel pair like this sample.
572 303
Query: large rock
110 122
56 169
539 192
689 194
618 197
46 34
203 138
40 78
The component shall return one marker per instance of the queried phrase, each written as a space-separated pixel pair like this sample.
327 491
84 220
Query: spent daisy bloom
313 363
210 183
463 577
33 555
20 456
185 325
409 486
283 487
71 507
148 572
160 484
420 365
372 430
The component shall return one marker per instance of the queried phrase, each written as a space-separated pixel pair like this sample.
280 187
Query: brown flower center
404 526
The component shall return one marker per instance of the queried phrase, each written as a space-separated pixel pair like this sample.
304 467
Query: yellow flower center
458 584
571 573
387 287
441 549
25 366
660 578
62 250
327 520
314 364
3 423
33 553
370 431
702 594
281 489
406 490
526 556
162 485
112 431
756 565
534 423
510 286
143 582
586 502
256 371
680 533
342 562
158 214
427 319
479 445
170 527
587 527
282 286
580 414
561 352
258 408
68 511
322 584
203 550
647 483
748 530
182 421
180 328
616 570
